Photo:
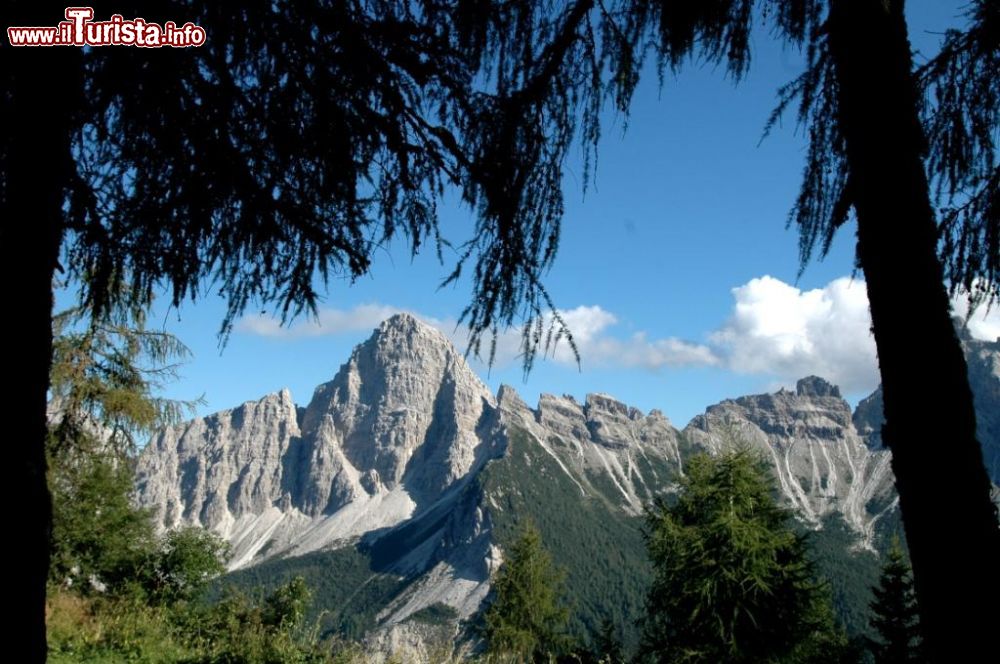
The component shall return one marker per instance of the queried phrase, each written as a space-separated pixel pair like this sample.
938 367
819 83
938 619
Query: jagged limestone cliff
393 431
822 465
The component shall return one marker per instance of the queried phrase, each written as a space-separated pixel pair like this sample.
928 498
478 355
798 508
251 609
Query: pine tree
527 620
732 581
894 612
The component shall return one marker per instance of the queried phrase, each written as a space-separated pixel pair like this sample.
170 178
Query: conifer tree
732 580
527 618
105 375
894 612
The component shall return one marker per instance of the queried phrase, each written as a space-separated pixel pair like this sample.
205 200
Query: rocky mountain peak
405 331
814 386
822 465
599 403
406 397
868 419
509 399
399 425
214 468
399 368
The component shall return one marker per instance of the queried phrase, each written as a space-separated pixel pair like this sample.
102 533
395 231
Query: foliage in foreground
733 581
104 378
99 539
895 616
601 549
117 592
527 619
236 629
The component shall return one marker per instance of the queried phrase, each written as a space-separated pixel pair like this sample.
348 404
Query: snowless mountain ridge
396 447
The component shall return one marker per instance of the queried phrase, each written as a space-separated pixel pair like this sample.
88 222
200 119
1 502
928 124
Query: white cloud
774 329
598 348
984 323
328 321
590 326
780 330
777 329
592 330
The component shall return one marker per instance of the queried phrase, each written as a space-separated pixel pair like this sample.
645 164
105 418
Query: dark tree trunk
944 492
44 84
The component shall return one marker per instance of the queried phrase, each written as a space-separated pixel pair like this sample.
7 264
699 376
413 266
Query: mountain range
397 488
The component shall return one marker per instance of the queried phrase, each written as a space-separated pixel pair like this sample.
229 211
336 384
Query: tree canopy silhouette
304 135
280 155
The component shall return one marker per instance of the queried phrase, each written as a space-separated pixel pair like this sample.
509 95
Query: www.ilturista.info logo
79 29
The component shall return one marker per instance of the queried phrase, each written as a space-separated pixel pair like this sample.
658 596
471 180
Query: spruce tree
894 612
732 580
527 619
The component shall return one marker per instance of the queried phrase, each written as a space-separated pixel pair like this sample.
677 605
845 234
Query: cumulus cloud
591 327
777 329
983 324
599 348
774 329
781 330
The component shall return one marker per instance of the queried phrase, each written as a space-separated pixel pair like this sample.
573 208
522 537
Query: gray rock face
403 410
822 465
814 386
214 469
394 430
600 450
984 379
601 439
868 419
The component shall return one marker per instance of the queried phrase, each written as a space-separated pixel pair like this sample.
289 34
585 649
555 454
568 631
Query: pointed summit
407 336
814 386
405 323
403 409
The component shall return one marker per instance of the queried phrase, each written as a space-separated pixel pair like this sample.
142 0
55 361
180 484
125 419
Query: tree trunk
944 492
44 84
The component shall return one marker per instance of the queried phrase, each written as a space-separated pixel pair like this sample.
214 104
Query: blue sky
676 269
